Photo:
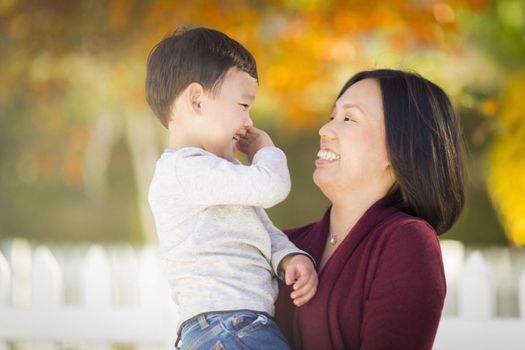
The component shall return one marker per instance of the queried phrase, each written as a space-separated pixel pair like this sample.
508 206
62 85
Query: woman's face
353 155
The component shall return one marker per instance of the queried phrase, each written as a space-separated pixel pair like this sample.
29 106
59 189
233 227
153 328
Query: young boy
219 248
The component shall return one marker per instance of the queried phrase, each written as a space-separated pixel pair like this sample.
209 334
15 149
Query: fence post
504 281
5 281
5 286
47 284
521 294
47 280
97 285
155 294
453 255
150 281
97 279
475 293
125 275
19 257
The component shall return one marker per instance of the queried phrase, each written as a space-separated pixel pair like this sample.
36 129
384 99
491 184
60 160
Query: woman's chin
320 178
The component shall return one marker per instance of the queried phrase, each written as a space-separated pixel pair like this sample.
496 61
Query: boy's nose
248 122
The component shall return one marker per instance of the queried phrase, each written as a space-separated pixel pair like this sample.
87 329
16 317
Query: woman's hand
252 141
300 272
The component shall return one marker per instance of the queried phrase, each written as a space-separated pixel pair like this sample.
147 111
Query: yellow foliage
506 180
84 66
489 107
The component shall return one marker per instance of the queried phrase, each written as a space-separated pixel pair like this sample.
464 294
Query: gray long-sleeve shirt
219 249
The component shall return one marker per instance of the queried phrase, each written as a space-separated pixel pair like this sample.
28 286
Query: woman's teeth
327 155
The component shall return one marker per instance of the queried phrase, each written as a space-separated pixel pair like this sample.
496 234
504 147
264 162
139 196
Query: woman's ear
194 97
391 176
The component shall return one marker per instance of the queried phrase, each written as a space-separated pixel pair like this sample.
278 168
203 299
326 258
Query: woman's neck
347 210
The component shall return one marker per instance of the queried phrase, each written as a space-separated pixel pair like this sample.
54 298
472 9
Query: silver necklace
333 238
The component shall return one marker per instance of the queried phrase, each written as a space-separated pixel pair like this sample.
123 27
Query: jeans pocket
251 330
243 322
259 322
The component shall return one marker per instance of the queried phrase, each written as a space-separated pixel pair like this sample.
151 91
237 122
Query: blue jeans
239 329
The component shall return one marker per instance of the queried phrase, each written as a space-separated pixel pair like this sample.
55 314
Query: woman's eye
245 106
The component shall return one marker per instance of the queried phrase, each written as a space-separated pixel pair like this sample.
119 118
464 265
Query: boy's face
226 115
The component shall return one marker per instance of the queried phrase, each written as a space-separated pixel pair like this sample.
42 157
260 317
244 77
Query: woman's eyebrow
352 105
349 106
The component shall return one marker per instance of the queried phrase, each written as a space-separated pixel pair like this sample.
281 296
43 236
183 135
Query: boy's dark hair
424 145
198 55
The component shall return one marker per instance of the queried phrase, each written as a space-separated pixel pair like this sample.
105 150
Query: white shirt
218 247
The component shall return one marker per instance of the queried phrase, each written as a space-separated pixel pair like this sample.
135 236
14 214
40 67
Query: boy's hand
252 141
300 272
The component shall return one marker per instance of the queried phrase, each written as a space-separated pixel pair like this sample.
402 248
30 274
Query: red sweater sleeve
406 293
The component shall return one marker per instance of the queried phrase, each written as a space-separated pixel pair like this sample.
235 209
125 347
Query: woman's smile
326 157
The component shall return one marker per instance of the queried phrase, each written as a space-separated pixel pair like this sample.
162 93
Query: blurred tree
78 142
499 34
507 160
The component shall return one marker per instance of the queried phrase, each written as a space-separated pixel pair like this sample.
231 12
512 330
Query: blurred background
78 142
78 145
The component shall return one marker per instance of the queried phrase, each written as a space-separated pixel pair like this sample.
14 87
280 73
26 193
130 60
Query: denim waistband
202 315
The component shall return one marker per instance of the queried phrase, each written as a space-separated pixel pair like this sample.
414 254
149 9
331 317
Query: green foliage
72 84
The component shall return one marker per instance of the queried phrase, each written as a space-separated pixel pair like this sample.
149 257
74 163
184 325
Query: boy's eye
244 105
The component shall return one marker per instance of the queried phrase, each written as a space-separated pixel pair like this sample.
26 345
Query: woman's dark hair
424 145
200 55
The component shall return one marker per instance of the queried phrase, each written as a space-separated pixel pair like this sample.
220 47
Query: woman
390 161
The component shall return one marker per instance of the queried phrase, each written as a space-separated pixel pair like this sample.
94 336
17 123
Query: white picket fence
116 297
94 298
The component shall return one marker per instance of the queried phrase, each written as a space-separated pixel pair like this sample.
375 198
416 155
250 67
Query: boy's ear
194 97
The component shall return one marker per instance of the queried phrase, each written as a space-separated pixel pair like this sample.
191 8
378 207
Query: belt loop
203 323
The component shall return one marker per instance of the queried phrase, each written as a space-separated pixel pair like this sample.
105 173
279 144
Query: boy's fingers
305 288
301 280
289 276
304 299
251 132
305 275
308 286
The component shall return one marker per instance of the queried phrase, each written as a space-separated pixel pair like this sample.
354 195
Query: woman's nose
327 130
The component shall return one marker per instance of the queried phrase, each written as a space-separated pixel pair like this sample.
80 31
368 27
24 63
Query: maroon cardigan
383 288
